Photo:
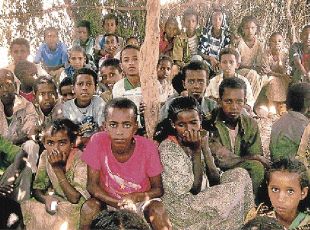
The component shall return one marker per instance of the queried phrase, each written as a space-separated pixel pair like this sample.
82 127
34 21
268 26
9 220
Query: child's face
195 83
19 53
110 43
228 65
83 34
217 20
59 142
249 30
46 96
232 102
7 89
285 193
133 41
109 26
121 125
130 62
186 120
110 75
190 23
51 39
164 70
276 42
77 59
171 29
84 88
305 37
29 79
67 92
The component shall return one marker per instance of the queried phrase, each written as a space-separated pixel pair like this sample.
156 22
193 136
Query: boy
111 72
86 109
287 131
196 77
228 64
52 53
124 170
185 44
109 23
66 89
26 72
85 39
234 137
110 47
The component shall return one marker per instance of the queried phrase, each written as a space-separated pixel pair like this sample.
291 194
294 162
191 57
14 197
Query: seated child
250 50
300 57
228 64
124 170
275 65
132 41
110 47
86 110
234 137
263 222
110 72
288 186
109 24
60 182
185 44
213 39
66 89
167 36
85 40
164 67
52 53
77 60
26 72
287 131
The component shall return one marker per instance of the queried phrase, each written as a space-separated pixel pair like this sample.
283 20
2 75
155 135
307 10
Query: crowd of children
73 148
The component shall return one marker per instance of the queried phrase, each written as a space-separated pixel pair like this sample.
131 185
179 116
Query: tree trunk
148 63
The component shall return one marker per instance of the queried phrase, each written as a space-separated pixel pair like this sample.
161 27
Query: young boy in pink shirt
124 170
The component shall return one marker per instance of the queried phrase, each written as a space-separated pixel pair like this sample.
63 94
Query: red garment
29 96
165 46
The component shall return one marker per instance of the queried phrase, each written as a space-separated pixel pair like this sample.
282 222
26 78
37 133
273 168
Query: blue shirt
51 58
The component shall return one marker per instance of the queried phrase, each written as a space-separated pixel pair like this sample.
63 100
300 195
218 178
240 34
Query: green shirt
8 152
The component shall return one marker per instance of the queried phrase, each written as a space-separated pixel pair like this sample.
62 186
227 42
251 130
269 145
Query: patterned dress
219 207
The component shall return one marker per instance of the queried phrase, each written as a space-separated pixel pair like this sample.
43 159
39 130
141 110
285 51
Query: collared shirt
88 46
52 58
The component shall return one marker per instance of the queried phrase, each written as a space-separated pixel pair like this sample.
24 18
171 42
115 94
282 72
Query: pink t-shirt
119 179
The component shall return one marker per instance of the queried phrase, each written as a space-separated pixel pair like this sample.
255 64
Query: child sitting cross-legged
124 170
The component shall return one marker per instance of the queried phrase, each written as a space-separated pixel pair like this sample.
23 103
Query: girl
275 65
171 29
60 182
250 50
186 159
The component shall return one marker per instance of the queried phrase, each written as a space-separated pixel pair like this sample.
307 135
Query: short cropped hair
164 58
120 103
190 12
112 62
50 29
113 35
296 96
86 24
87 71
24 68
232 83
231 51
20 41
127 47
44 80
65 82
195 65
109 17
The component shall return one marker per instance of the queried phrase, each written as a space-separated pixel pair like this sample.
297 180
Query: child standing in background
167 36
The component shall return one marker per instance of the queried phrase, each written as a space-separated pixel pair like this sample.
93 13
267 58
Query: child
300 57
164 67
77 60
60 183
275 65
111 73
26 72
228 64
185 44
109 23
52 53
110 47
250 50
124 169
287 131
171 30
86 109
132 41
66 89
85 40
234 137
213 39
